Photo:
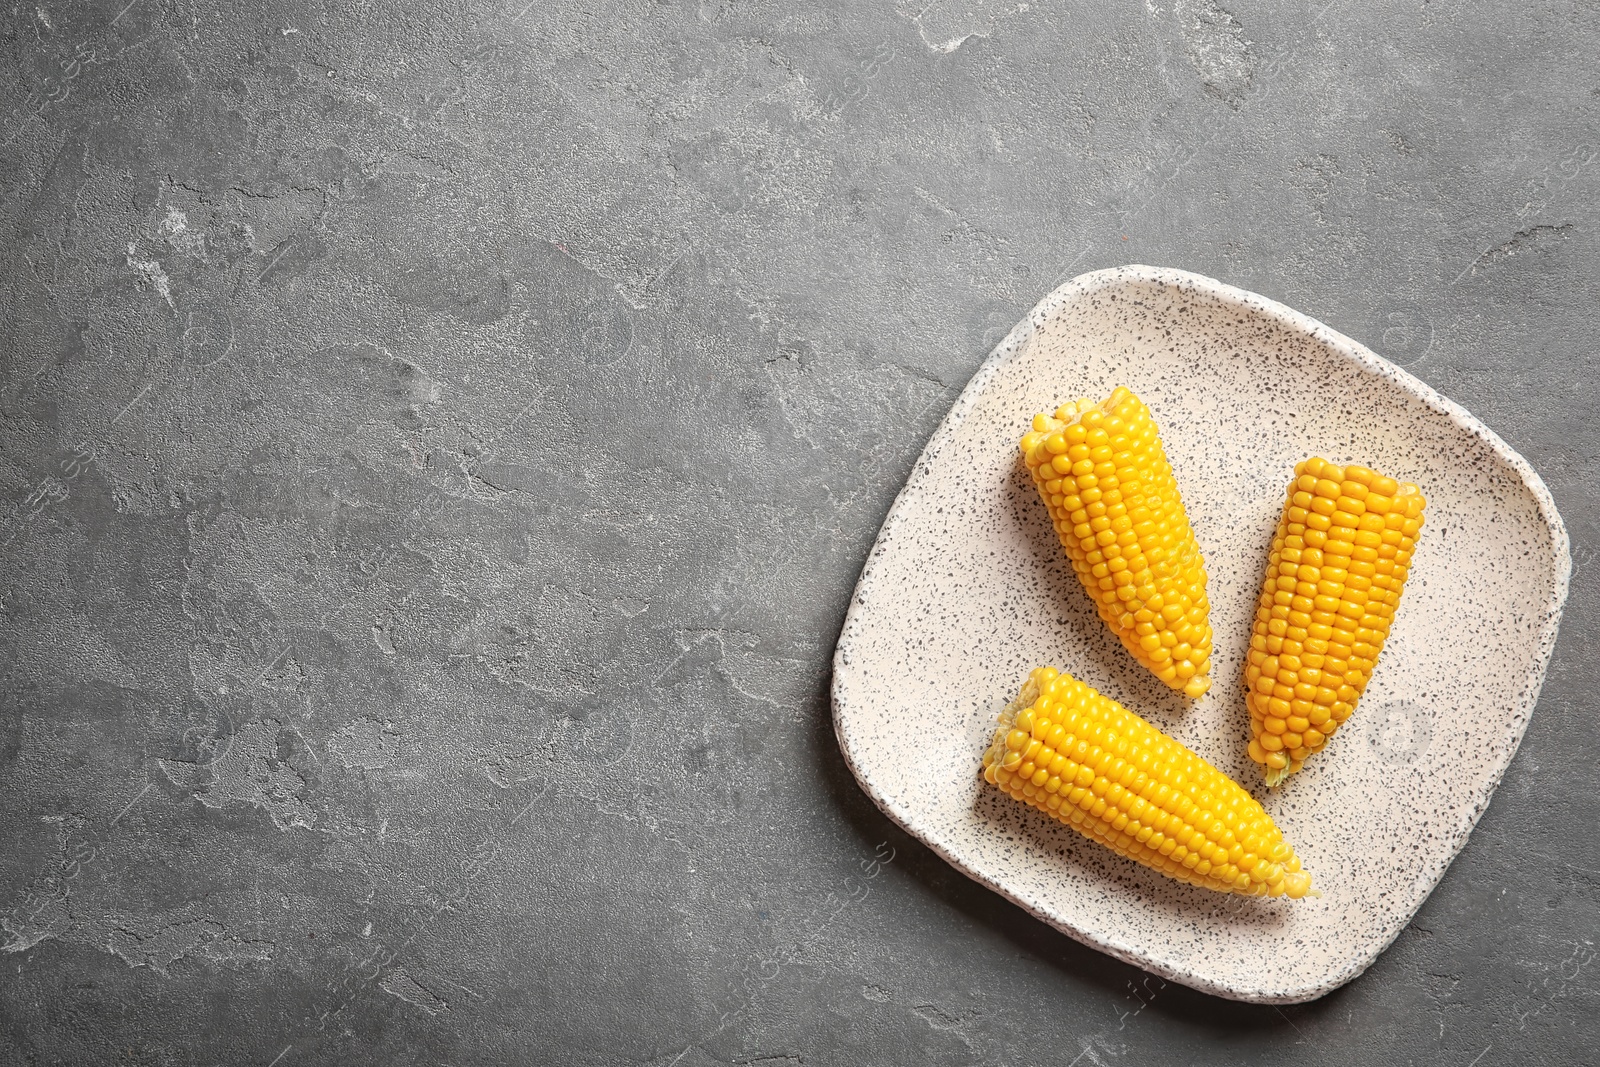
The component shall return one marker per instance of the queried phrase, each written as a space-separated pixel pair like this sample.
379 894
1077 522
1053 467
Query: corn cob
1334 577
1104 476
1096 766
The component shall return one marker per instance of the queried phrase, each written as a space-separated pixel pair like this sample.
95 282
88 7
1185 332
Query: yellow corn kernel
1351 563
1138 791
1103 475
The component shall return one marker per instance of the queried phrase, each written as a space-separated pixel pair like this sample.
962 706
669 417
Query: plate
967 589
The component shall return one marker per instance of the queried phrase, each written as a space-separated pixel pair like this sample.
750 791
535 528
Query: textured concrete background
440 441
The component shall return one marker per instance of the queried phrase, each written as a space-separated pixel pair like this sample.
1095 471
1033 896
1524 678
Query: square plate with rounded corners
967 590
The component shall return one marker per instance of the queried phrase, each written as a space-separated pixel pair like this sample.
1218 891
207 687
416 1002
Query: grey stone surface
440 441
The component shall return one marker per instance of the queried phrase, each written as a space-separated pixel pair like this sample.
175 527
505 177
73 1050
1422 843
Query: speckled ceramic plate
967 589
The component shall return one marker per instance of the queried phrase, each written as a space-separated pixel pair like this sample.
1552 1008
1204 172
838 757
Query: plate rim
1010 348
